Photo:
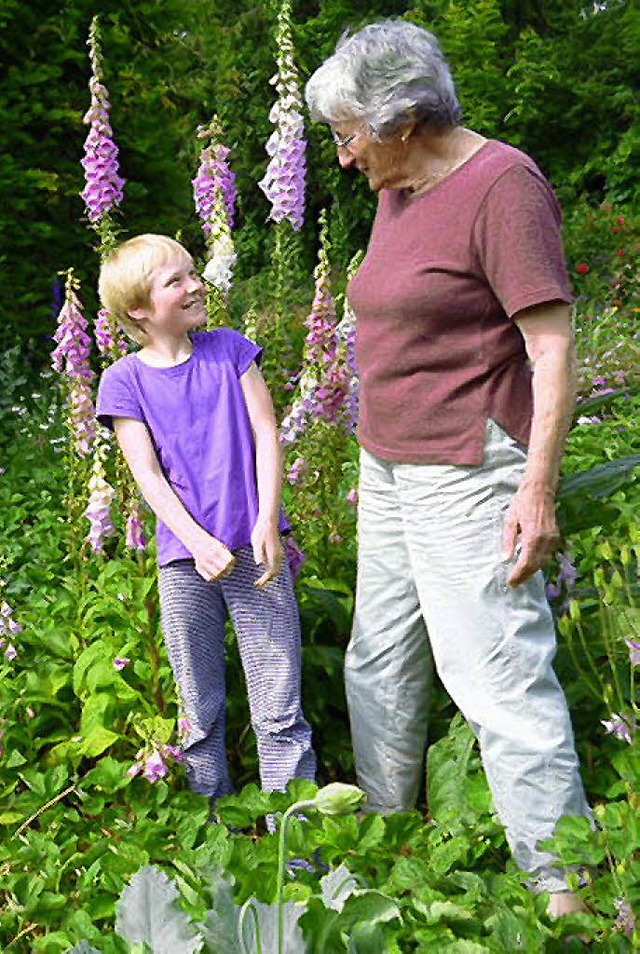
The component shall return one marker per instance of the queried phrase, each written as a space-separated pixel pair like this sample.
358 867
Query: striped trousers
267 627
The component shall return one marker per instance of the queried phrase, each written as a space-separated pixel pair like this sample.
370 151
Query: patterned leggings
267 628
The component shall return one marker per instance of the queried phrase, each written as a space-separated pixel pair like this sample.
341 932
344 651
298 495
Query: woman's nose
345 158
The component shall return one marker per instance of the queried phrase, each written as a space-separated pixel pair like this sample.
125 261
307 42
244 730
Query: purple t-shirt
197 417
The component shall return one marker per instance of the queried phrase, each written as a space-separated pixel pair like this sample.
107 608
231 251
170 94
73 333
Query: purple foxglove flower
103 190
618 726
71 359
184 727
134 770
98 509
155 767
297 470
215 195
71 356
626 920
82 418
325 385
120 662
284 180
136 537
634 651
11 652
568 572
352 497
552 591
173 752
215 183
347 335
295 556
109 341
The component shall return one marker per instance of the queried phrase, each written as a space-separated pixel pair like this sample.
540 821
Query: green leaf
15 759
458 791
97 741
108 774
367 939
369 906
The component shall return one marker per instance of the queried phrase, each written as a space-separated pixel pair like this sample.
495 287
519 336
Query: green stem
282 849
606 636
598 691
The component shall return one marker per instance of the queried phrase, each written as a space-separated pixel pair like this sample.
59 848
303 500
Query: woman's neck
435 154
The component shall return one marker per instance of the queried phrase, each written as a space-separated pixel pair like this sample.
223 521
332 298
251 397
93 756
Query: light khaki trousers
432 591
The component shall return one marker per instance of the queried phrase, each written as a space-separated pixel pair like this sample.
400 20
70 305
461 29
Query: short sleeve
116 397
518 241
243 351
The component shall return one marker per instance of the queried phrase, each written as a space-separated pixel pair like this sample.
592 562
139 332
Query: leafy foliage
76 825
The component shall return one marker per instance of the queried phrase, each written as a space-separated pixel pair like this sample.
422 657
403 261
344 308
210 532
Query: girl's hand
213 560
267 550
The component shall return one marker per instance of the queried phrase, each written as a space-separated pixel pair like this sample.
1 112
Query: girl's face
381 161
176 299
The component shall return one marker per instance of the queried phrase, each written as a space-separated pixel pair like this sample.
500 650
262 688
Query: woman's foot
564 902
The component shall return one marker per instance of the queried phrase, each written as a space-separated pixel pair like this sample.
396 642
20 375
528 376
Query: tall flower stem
282 854
334 799
284 180
104 185
214 192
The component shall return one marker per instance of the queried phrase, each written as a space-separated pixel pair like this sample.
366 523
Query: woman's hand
530 525
267 550
212 558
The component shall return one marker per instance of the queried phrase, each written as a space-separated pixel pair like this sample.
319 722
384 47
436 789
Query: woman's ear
407 129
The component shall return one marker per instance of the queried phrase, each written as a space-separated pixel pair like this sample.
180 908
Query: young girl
195 422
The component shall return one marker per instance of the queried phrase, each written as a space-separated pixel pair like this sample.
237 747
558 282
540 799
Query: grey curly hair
385 74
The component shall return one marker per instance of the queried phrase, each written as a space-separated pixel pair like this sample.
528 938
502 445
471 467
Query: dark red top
444 273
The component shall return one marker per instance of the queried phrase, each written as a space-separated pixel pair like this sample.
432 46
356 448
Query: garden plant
103 847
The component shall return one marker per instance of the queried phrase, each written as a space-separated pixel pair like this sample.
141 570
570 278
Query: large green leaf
582 497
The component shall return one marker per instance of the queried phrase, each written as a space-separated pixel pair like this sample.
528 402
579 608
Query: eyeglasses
343 142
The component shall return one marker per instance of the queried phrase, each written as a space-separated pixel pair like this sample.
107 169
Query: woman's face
381 161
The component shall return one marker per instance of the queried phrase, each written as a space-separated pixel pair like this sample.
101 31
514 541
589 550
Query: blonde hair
126 277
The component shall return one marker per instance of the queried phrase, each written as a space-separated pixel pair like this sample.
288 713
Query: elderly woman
464 348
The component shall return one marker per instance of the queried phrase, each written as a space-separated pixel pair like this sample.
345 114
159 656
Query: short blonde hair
126 277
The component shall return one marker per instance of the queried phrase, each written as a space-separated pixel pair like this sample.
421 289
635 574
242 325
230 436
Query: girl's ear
138 314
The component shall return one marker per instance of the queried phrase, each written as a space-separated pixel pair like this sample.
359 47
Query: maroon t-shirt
444 273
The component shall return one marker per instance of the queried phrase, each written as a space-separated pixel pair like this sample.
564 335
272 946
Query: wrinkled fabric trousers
267 627
432 591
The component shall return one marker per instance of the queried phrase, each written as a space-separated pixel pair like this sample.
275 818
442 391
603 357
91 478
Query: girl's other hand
267 550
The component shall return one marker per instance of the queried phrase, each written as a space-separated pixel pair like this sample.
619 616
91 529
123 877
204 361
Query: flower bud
338 799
